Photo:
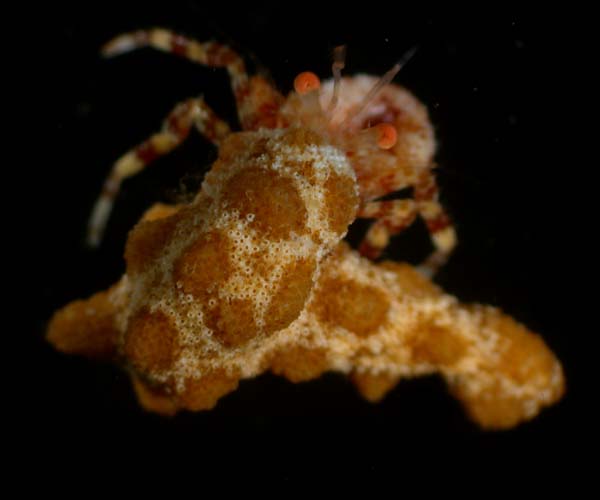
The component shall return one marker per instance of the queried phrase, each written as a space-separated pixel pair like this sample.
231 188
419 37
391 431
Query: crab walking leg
256 101
439 225
392 217
396 215
211 53
175 130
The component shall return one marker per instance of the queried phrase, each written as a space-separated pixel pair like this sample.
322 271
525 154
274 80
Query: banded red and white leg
392 217
257 101
439 224
175 129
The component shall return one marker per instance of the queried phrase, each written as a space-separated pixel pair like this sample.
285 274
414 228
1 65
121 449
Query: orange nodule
306 82
386 136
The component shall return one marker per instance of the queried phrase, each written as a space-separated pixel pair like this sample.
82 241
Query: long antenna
339 61
383 81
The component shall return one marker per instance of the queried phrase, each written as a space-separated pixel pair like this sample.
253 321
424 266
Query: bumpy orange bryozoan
251 276
376 322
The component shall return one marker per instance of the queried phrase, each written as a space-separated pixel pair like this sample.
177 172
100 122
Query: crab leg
439 225
255 99
175 130
396 215
392 217
211 53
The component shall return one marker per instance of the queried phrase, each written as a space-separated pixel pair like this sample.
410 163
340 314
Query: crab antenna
383 81
339 61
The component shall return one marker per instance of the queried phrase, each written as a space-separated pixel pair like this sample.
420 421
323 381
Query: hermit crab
281 194
382 130
252 276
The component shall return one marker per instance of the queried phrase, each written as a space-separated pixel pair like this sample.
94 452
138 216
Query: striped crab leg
392 217
175 129
255 99
439 224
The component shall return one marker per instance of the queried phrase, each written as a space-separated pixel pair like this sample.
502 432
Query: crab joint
306 82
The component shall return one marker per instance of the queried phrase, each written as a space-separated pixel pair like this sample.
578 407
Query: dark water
489 79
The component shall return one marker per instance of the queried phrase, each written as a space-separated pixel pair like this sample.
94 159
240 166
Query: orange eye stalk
306 82
386 135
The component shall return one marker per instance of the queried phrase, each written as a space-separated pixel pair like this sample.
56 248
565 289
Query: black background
495 94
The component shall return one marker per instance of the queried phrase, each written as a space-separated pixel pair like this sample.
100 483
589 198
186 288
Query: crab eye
306 82
386 135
